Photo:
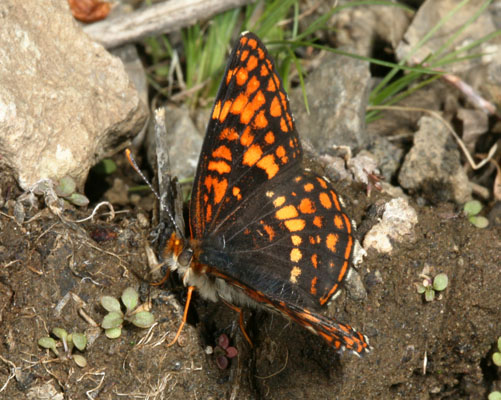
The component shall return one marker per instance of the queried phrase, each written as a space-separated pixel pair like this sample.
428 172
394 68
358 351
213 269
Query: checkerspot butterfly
264 230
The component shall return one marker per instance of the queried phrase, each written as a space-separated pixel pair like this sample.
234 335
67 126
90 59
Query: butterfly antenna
163 204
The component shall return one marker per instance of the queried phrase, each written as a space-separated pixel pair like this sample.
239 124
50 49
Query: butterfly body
265 231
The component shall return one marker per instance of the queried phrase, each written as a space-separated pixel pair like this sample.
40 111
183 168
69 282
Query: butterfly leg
240 320
185 315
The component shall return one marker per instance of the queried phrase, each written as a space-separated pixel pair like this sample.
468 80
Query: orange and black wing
259 219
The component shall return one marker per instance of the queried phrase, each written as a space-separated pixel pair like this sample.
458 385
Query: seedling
494 395
430 286
69 342
135 313
472 209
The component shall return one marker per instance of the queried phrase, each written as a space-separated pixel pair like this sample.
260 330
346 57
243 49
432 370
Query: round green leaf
60 333
78 199
110 304
479 221
429 295
80 341
440 282
472 207
113 333
48 343
496 358
80 360
494 395
130 298
143 319
421 289
65 187
112 320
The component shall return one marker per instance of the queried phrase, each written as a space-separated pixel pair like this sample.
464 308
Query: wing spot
325 200
208 212
219 187
335 200
270 194
260 122
279 201
306 206
296 240
322 182
221 167
264 72
331 241
295 225
236 193
313 288
260 53
287 212
269 230
268 164
338 222
308 187
314 261
317 221
295 255
244 55
280 152
217 110
222 152
283 126
229 134
295 273
242 76
252 86
252 63
269 137
247 138
275 109
239 104
252 43
252 155
225 110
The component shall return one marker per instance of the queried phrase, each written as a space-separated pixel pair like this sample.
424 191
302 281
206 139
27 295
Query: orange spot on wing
225 110
221 167
308 187
208 212
252 86
269 137
247 138
295 255
313 288
287 212
349 245
229 134
347 223
335 200
322 182
271 83
296 240
306 206
338 222
260 122
275 109
314 261
239 104
236 192
242 77
252 43
331 241
244 55
264 71
260 53
252 155
325 200
279 201
268 164
283 126
280 151
269 230
295 225
326 297
217 110
222 152
252 63
317 221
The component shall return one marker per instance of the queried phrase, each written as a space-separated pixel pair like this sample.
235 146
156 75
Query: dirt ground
52 270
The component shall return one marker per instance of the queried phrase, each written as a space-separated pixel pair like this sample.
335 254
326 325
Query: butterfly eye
185 257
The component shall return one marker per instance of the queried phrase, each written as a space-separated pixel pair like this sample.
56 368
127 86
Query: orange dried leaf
89 10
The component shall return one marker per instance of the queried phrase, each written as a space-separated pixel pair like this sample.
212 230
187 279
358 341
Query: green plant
135 313
66 188
472 209
430 286
496 356
69 341
494 395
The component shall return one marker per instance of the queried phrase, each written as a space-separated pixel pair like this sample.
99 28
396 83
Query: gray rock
433 166
65 103
337 95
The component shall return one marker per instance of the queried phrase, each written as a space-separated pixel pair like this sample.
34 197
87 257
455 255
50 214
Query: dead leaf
89 10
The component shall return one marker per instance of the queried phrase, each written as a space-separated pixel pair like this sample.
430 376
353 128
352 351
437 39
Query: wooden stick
159 18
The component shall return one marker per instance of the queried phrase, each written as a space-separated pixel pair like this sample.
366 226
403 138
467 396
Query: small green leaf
60 333
105 167
496 358
110 304
112 320
65 187
429 295
420 289
80 360
69 342
78 199
143 319
48 343
494 395
499 343
479 221
113 333
472 207
130 298
80 341
440 282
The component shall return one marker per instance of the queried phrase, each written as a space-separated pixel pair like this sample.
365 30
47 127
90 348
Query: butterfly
264 231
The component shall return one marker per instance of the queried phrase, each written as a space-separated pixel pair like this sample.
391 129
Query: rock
388 155
337 95
433 166
397 225
65 103
430 14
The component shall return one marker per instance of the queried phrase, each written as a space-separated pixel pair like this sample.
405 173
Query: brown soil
51 269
